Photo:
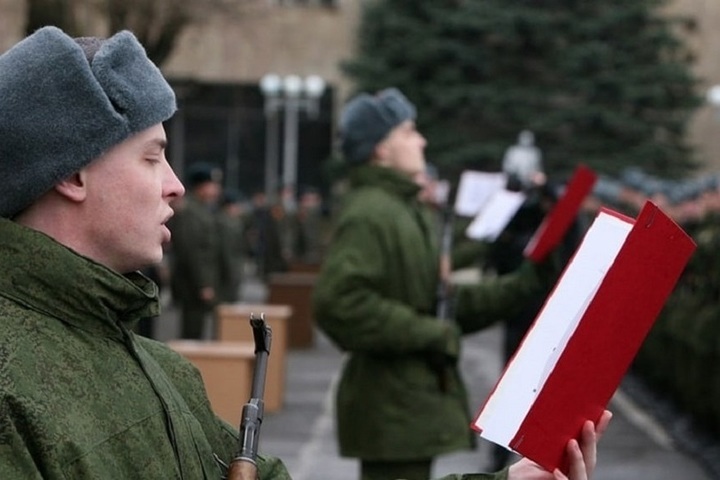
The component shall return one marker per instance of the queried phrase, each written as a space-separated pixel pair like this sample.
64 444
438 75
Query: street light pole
271 153
270 86
290 94
293 89
713 98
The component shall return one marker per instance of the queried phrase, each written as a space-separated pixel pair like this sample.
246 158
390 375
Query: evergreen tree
606 83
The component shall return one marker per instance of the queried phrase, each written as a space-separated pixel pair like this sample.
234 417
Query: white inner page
474 189
495 215
541 348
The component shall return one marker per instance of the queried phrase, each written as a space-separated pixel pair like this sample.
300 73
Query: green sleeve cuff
501 475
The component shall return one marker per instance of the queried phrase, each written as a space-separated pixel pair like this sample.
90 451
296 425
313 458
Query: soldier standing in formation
232 246
195 250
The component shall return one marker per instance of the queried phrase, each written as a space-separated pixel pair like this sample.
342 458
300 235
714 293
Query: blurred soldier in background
232 246
194 273
311 232
263 236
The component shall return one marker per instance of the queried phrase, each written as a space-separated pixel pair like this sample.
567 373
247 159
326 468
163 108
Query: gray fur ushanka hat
367 119
65 101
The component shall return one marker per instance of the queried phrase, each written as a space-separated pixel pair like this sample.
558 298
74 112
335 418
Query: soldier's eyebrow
160 143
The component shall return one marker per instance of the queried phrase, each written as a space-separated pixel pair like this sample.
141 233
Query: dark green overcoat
375 298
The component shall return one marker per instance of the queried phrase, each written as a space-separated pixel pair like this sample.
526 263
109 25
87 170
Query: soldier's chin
153 258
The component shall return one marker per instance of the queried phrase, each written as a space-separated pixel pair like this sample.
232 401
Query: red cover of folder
554 226
586 335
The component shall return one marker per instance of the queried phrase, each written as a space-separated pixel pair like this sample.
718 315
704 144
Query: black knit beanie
65 101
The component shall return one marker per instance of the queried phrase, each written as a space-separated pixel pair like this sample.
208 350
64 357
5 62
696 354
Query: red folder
583 340
557 222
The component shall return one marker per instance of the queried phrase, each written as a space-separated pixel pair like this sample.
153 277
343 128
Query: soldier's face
129 190
403 149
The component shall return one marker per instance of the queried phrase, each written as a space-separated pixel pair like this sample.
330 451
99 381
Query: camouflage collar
45 276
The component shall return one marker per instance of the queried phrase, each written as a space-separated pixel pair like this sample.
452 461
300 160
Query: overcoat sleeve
501 475
350 306
493 299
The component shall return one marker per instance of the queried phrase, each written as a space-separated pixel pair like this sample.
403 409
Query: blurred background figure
263 236
194 269
284 211
312 230
523 161
232 246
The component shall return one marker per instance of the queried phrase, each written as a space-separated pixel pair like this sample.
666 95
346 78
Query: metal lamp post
290 94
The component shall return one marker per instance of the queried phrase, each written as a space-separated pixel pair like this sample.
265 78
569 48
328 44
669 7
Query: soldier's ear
381 154
73 188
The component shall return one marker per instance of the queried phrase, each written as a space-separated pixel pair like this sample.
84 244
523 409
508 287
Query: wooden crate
297 266
233 325
295 289
227 371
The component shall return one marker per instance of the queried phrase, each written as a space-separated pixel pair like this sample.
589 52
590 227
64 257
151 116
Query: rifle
443 286
443 305
447 217
244 464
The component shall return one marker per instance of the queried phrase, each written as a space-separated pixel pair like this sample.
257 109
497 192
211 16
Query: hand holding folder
582 456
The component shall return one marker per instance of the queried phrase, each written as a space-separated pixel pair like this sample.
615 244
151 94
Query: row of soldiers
681 355
217 234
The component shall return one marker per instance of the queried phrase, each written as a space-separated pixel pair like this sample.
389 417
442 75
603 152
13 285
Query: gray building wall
279 37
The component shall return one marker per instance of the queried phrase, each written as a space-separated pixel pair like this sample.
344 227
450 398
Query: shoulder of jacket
372 201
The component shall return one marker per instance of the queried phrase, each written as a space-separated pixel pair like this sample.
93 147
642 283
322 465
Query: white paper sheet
474 189
495 215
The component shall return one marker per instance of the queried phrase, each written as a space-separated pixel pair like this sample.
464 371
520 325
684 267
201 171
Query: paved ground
302 433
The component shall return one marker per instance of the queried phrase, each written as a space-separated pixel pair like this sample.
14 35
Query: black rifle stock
244 465
443 285
443 309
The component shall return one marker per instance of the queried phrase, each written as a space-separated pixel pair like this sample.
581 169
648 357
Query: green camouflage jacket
82 397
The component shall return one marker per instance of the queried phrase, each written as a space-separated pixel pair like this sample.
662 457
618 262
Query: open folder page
584 338
495 215
475 189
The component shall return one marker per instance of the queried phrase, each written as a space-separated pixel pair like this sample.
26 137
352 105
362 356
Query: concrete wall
312 40
12 22
705 42
283 40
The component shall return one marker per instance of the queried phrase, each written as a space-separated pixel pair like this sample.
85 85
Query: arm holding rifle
435 194
244 465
